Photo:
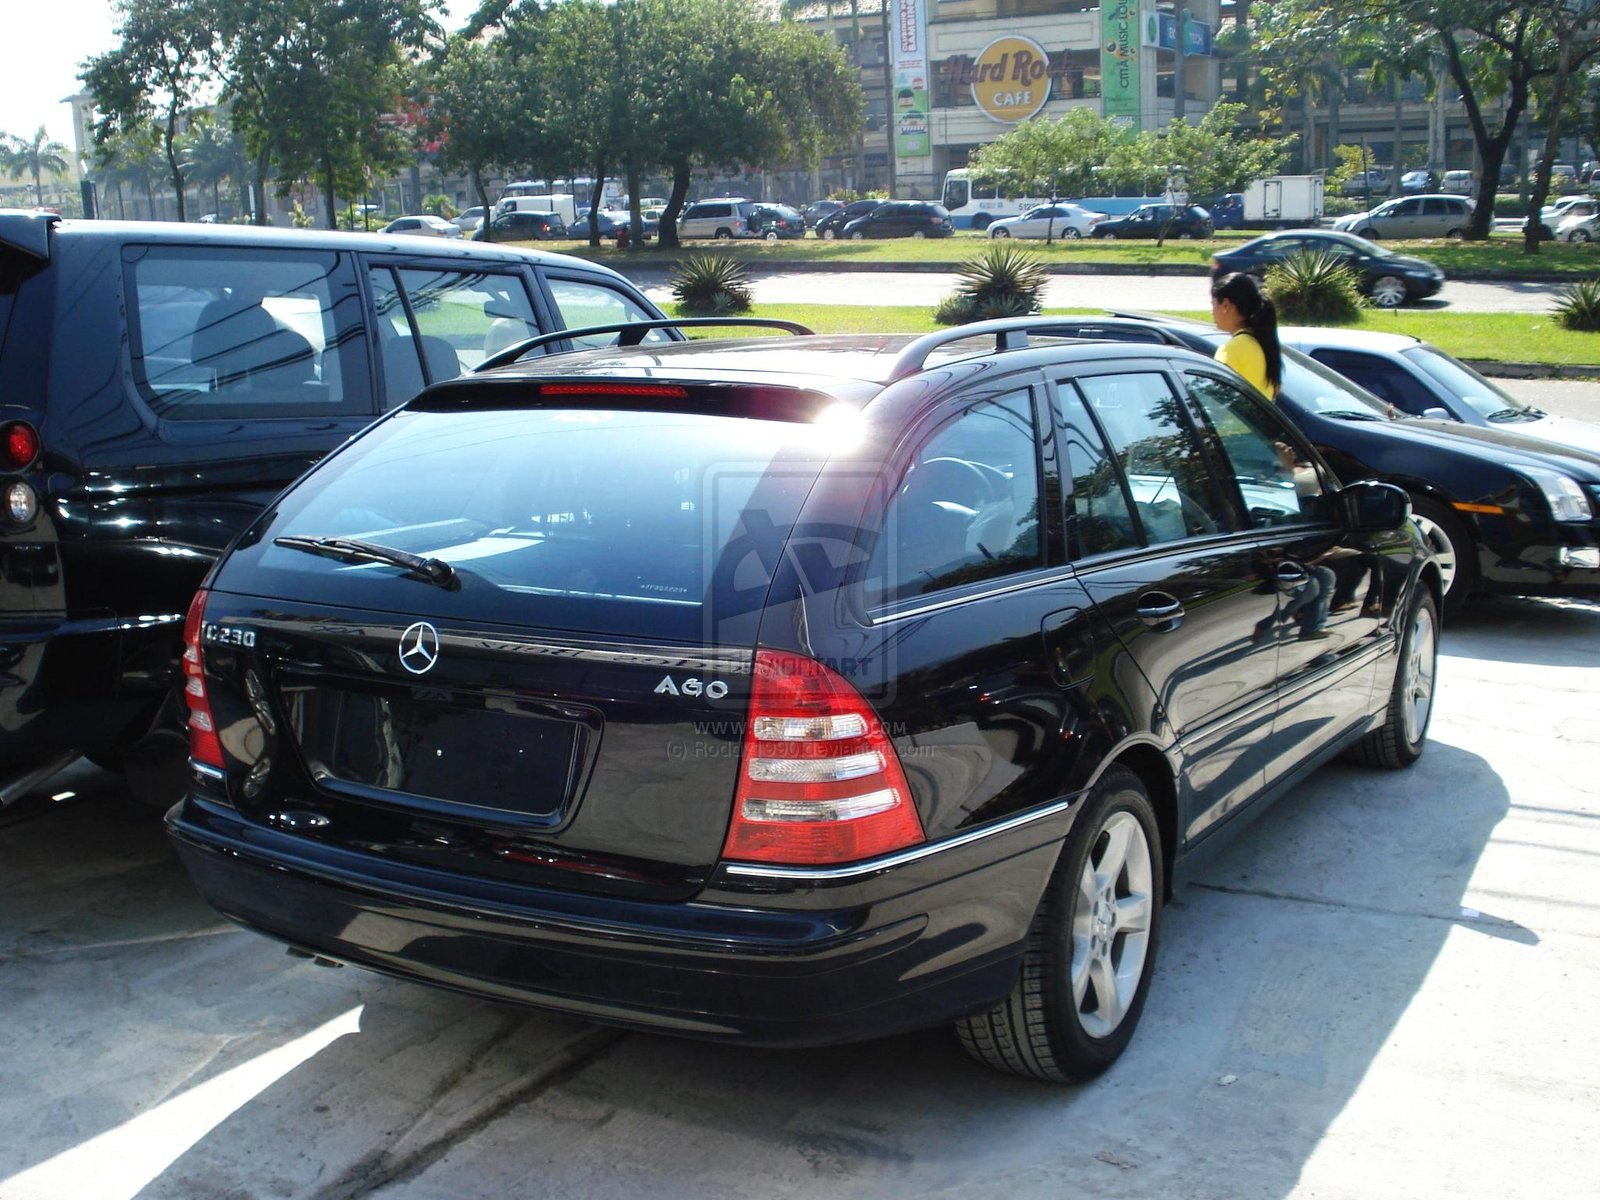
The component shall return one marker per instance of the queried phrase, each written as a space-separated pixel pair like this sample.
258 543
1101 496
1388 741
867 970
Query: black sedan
524 227
902 218
831 225
1505 513
1386 278
1158 221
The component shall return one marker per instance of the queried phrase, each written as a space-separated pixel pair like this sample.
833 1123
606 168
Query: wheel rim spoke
1113 910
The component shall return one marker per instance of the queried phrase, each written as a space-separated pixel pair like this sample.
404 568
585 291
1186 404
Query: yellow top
1244 354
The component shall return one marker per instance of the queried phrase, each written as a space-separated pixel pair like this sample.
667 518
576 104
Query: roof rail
27 231
631 333
1010 333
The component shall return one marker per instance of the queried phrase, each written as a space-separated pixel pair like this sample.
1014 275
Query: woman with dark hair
1239 307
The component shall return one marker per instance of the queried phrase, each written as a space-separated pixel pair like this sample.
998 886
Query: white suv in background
724 217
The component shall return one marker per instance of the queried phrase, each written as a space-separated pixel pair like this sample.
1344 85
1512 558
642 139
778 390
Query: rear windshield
637 524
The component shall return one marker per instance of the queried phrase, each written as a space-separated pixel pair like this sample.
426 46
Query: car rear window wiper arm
430 570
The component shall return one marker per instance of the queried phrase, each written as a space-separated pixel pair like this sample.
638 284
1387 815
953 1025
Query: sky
43 49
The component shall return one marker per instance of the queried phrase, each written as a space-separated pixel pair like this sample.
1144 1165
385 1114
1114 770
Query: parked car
162 383
1158 221
1228 212
775 221
611 223
1506 513
830 226
902 218
1367 183
1386 278
524 226
818 209
728 217
1458 183
1579 228
1411 217
425 225
917 717
1423 381
1061 220
1552 216
1415 183
470 220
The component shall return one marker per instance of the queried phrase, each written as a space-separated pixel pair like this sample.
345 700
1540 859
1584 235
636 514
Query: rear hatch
559 695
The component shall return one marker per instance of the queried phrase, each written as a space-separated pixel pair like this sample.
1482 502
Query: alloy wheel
1111 925
1416 688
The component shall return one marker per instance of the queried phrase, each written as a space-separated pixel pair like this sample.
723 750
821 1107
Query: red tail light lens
204 745
819 780
21 445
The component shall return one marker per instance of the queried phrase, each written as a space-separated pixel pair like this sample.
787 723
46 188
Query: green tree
1053 158
33 157
154 75
212 154
131 160
470 109
314 85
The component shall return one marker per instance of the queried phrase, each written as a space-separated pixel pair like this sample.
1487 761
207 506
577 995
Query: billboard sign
909 105
1011 79
1119 63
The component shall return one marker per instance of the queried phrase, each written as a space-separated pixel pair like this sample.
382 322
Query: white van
563 204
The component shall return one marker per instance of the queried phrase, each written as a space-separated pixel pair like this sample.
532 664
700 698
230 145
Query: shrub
711 285
439 205
1004 280
1315 289
1578 306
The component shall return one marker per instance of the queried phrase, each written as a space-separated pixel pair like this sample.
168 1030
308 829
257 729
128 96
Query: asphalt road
1386 989
1162 293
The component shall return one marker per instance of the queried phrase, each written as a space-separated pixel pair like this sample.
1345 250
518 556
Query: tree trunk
1399 155
667 227
486 230
1491 147
170 141
1552 144
594 202
635 222
327 177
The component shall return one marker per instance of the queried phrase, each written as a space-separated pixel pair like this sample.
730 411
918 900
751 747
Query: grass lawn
1499 337
1502 252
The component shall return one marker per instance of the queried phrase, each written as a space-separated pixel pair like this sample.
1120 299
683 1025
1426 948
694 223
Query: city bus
581 188
977 206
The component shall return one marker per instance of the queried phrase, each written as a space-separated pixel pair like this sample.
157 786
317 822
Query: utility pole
1179 90
888 100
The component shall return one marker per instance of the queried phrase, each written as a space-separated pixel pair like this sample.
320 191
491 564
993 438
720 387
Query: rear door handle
1160 612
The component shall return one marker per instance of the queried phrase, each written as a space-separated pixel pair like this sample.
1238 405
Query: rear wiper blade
1509 414
430 570
1347 414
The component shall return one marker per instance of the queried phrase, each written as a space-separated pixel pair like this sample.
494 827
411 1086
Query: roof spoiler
28 232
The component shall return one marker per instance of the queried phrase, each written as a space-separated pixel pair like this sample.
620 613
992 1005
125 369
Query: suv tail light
819 780
204 745
21 445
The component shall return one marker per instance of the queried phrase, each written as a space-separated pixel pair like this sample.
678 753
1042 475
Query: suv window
967 508
1172 490
238 333
456 320
1277 485
584 302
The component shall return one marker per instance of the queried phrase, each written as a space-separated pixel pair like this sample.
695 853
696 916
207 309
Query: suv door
1154 538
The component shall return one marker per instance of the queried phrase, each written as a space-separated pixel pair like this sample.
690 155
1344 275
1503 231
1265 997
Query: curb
1520 370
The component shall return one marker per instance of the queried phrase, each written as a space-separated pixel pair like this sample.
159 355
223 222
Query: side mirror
1372 507
1437 414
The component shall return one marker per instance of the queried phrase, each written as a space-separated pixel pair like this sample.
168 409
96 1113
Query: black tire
1400 740
999 233
723 235
1453 545
1040 1030
982 221
1107 236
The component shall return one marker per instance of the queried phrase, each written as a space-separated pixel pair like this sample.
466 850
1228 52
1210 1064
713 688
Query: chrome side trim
1058 576
892 861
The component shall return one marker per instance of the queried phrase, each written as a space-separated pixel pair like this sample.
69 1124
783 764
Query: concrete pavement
1386 989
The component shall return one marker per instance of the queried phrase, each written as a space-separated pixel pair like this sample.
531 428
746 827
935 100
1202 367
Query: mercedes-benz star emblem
419 648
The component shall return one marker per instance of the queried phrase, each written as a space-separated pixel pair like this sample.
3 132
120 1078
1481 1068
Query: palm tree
34 156
212 153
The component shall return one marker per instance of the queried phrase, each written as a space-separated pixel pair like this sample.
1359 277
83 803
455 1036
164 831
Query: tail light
20 445
819 780
204 745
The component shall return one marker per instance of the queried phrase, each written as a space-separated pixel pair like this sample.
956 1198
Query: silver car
1048 220
1411 217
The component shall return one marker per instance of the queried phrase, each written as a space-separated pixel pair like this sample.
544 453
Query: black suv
162 383
901 218
831 225
795 690
1158 221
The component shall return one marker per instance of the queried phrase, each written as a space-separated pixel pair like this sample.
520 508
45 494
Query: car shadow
1284 972
1527 631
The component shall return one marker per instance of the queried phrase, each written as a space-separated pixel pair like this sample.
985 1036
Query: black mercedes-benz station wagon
794 690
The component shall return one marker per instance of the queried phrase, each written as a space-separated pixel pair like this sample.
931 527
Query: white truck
1283 202
563 204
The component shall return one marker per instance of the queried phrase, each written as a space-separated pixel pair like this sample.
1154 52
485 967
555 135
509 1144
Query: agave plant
711 285
1578 306
1003 281
1315 289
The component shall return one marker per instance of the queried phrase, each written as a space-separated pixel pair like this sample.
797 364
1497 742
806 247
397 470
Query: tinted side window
460 318
1172 490
967 508
245 333
1099 513
583 302
1381 378
1277 485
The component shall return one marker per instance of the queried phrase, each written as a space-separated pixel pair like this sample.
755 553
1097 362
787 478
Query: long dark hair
1260 317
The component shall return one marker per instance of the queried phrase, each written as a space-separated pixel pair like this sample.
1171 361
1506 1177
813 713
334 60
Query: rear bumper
766 958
